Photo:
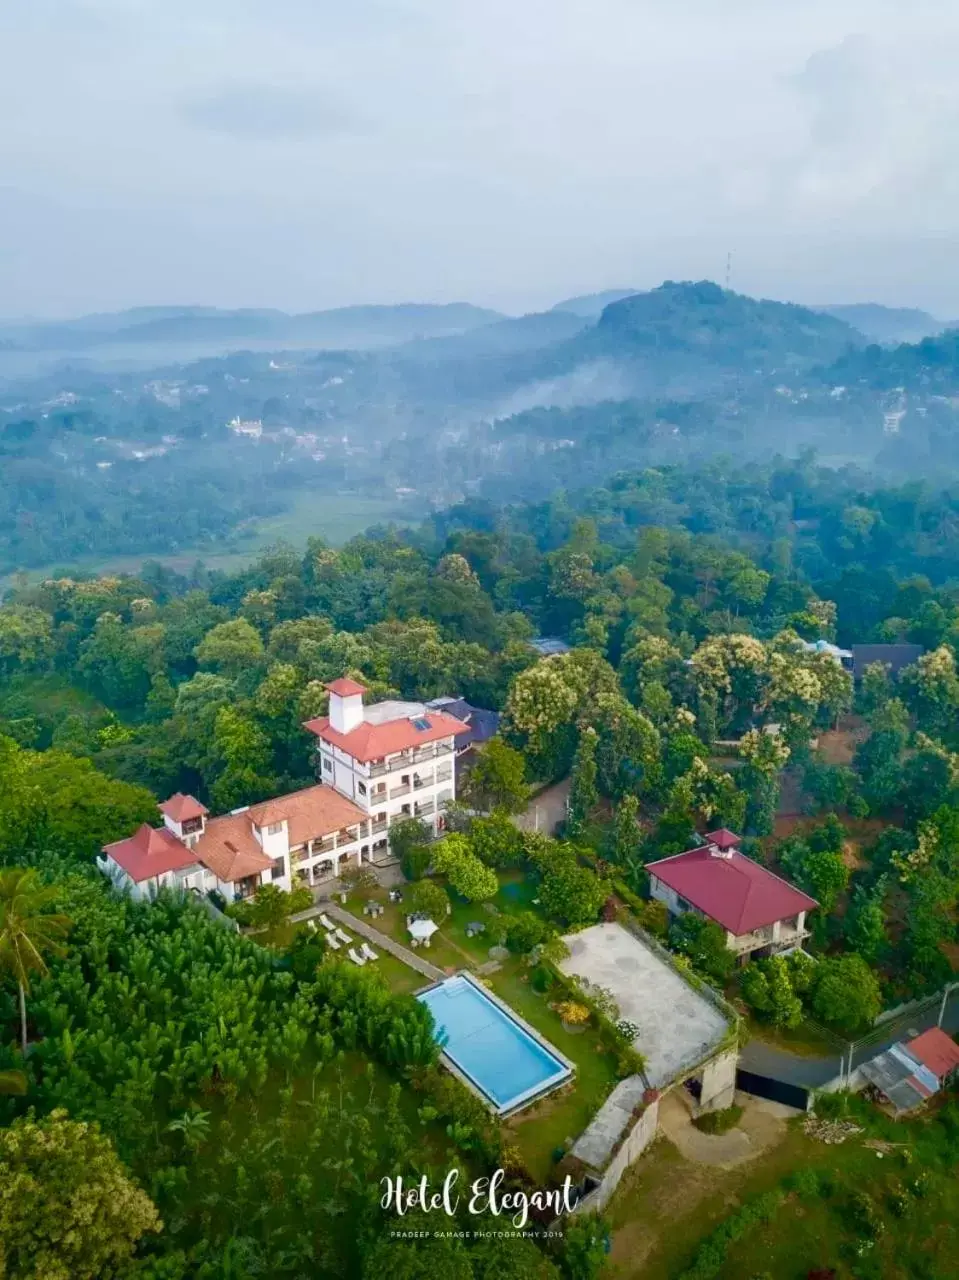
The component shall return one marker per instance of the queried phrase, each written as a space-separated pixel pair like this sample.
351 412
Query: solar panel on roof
421 724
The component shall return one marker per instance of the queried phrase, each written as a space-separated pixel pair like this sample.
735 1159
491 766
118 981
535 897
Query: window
274 828
279 868
361 787
327 765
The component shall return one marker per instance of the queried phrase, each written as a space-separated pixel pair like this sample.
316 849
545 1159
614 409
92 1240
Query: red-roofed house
307 837
394 760
937 1051
761 913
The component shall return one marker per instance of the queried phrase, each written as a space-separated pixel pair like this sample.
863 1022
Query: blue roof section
482 724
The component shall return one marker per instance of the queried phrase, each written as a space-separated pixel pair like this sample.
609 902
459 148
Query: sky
306 154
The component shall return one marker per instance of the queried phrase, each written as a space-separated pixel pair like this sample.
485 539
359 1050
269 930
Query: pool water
498 1056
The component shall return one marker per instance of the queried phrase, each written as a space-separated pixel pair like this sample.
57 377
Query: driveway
546 811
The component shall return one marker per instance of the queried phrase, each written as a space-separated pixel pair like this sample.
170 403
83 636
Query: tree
526 931
627 837
570 893
471 878
28 931
231 647
865 922
496 840
767 987
68 1208
627 748
428 898
410 841
498 778
272 906
583 795
846 993
704 942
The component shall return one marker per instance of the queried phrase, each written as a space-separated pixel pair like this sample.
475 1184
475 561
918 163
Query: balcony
379 826
326 845
425 809
396 792
377 770
420 783
443 799
444 775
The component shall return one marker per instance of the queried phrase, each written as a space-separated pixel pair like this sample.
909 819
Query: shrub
577 1015
526 931
428 898
541 978
654 918
719 1121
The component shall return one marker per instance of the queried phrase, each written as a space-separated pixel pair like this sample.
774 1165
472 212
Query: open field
335 517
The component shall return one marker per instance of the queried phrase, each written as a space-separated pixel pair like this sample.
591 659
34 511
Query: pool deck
524 1100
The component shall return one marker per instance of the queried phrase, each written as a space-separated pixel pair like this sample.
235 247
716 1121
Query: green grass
674 1206
546 1126
336 517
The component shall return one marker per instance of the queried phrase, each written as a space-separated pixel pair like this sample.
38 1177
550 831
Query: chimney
716 852
346 705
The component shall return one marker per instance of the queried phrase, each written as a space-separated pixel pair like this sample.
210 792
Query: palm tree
27 931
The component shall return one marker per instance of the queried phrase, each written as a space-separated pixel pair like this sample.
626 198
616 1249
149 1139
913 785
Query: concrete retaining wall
640 1136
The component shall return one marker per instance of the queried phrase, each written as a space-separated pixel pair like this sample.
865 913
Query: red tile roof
179 808
150 852
230 849
310 813
736 892
345 687
723 838
374 741
937 1051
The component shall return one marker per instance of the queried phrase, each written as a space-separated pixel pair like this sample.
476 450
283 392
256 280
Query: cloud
265 111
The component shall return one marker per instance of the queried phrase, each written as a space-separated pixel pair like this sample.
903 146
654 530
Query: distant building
482 724
549 646
893 656
761 913
843 656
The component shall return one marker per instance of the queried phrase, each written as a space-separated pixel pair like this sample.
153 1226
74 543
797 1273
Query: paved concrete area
763 1125
677 1026
546 811
595 1144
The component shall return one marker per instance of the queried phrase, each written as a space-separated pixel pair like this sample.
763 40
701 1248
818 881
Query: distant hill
591 305
345 327
887 324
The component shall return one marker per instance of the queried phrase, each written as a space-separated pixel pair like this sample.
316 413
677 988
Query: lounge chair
367 951
332 942
327 923
357 959
343 937
311 925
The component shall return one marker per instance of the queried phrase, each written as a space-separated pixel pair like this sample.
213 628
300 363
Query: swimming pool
485 1043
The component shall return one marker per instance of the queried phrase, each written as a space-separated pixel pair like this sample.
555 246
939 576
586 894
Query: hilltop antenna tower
729 268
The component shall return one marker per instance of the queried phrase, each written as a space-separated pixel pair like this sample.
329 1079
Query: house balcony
760 939
379 826
443 799
420 783
326 845
424 809
396 792
444 775
377 770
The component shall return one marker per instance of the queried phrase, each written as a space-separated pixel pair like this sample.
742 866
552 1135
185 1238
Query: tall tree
28 931
583 793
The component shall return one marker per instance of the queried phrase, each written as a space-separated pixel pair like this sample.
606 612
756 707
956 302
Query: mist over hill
448 403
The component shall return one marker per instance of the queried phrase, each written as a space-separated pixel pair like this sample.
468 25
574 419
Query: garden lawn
543 1129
